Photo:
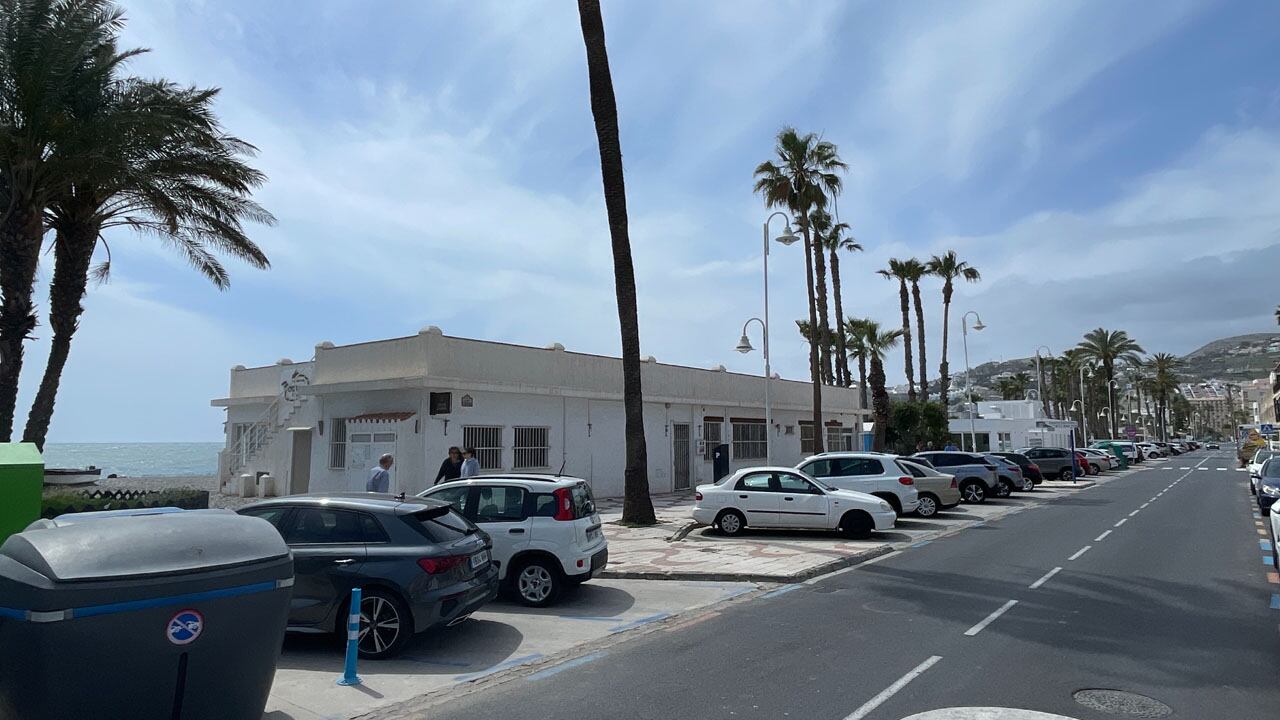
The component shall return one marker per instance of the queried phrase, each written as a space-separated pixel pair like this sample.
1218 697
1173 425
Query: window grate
487 441
338 444
532 448
750 440
711 438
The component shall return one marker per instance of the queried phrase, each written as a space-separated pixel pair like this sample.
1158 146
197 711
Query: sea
137 459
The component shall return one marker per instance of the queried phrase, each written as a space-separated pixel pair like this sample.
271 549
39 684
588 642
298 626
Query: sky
1111 164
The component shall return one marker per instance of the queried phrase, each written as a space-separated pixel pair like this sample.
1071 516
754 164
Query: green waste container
21 485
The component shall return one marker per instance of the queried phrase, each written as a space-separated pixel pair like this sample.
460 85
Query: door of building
680 455
300 462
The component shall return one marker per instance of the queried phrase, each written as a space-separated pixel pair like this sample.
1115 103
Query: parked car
545 530
1054 462
1082 462
420 564
1131 452
1255 467
771 497
871 473
1009 475
1031 474
1170 449
1098 460
1269 485
1151 450
976 474
1275 540
936 490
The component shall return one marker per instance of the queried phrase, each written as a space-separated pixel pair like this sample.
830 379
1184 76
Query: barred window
532 448
750 440
711 437
835 438
338 444
806 438
487 441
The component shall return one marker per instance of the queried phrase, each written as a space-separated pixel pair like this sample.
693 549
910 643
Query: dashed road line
1044 579
1135 512
1144 506
1080 552
893 689
990 619
1122 521
1102 537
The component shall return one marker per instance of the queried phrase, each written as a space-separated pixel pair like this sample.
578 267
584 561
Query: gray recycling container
168 616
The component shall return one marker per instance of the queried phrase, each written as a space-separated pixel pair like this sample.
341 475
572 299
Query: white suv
870 473
545 530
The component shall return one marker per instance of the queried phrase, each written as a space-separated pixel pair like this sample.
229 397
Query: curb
814 571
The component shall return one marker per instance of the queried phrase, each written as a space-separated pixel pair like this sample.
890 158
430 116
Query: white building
321 425
1006 425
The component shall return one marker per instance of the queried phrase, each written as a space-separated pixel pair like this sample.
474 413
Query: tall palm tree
49 49
1162 369
162 166
878 342
1106 347
835 238
637 506
820 222
855 330
948 267
803 178
915 270
827 343
901 270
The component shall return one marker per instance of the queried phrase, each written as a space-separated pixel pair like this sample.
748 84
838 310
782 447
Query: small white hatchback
787 498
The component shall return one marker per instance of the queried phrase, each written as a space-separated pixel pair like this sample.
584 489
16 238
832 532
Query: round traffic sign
185 627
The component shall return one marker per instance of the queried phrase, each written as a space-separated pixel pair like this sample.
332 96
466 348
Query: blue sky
1103 163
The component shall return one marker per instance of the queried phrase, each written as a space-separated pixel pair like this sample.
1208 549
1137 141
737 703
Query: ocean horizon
137 459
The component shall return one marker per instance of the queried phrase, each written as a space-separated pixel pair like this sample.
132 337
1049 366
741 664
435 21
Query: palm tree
901 270
1162 376
1278 314
948 267
49 49
835 239
915 270
802 179
855 330
1105 347
637 506
162 166
820 222
878 342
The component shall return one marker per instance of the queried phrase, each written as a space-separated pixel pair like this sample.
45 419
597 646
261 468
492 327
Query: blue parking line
498 668
640 621
782 590
1266 560
594 618
1265 544
922 543
1275 601
566 665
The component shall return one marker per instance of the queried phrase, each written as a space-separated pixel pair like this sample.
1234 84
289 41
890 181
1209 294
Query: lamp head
787 237
744 345
978 325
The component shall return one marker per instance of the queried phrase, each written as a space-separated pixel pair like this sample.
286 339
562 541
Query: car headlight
885 506
1271 490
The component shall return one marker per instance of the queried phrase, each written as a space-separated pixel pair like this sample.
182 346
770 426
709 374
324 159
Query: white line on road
1143 506
1102 537
1135 512
893 689
1045 579
990 619
1122 521
1080 552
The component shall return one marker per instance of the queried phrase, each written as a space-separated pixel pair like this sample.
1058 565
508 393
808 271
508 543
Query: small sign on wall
466 401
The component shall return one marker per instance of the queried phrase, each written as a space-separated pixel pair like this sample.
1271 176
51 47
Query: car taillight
904 480
1034 466
437 565
564 504
697 496
953 484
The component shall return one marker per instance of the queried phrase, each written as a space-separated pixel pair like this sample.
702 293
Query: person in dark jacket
451 468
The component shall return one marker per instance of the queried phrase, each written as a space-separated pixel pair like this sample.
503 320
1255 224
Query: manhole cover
1119 702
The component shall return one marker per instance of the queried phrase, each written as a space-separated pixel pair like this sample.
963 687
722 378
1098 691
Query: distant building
1213 402
1005 425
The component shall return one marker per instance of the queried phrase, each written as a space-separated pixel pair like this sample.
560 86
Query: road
1151 584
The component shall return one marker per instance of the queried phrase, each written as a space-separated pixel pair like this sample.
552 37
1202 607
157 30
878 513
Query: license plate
593 534
480 559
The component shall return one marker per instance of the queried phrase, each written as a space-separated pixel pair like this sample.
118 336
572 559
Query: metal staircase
257 438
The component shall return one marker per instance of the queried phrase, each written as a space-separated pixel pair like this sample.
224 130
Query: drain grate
1119 702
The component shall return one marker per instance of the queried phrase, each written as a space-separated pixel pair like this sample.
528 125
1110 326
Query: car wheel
385 624
731 522
537 582
1252 490
973 491
1094 469
928 506
1004 488
1067 475
1028 484
857 525
1275 555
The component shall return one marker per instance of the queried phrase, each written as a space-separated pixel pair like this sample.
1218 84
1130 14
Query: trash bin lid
145 545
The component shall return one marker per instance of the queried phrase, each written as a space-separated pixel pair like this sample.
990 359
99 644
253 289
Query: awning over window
383 417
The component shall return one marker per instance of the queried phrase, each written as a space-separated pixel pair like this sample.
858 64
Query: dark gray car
1058 463
976 474
419 562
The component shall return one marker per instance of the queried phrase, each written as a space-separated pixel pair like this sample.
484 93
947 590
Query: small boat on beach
72 476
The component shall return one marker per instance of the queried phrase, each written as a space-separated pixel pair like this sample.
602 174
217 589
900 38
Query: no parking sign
185 627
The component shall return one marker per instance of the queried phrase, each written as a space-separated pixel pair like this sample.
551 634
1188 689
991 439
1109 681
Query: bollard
349 676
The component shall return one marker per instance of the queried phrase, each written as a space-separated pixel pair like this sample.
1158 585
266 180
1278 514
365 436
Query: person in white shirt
470 464
380 477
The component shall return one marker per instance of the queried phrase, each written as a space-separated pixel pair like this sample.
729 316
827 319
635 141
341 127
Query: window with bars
806 438
487 441
531 449
750 441
338 444
711 437
835 438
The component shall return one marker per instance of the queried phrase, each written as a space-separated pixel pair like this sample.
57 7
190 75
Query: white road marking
1184 467
1157 497
1102 537
1080 552
1200 468
893 689
1135 512
1044 579
1143 506
990 619
1122 521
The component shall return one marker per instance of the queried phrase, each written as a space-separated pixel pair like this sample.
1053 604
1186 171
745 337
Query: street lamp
1112 386
1040 376
968 374
744 347
1084 417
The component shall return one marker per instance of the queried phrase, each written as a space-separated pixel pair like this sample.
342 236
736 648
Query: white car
1255 468
779 497
871 473
1151 450
1275 540
545 531
1098 459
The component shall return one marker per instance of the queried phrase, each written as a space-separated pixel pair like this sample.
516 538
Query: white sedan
787 498
1255 468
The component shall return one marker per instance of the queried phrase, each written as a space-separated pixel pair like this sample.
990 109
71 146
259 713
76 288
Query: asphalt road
1151 584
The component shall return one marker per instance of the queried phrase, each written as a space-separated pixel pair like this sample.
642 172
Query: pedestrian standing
470 464
451 468
951 447
380 476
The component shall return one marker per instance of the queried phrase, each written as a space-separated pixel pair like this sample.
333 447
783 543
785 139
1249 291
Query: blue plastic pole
349 676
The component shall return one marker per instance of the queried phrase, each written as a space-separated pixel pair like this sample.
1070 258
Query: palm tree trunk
880 398
1044 396
944 369
814 369
862 380
820 286
905 301
842 340
637 507
1111 400
915 297
19 256
73 253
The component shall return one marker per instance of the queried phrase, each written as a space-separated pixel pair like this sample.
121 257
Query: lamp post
1084 416
968 374
1112 386
1040 377
744 346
